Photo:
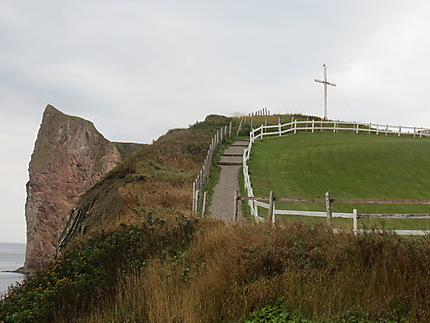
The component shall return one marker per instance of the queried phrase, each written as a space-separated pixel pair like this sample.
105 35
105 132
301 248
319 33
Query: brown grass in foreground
230 270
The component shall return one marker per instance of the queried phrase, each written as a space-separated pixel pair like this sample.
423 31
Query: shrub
83 275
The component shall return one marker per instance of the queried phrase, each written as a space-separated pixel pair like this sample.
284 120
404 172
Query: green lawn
350 166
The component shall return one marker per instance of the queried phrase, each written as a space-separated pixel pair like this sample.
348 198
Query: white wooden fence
199 194
336 126
314 126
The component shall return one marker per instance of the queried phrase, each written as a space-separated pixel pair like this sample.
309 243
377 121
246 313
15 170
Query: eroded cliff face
69 157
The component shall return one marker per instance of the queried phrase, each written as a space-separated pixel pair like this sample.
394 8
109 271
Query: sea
11 258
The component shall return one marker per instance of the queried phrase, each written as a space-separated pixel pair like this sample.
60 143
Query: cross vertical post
325 82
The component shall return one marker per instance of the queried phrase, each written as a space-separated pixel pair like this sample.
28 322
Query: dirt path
222 206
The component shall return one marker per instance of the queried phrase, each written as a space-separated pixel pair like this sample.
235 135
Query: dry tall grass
230 270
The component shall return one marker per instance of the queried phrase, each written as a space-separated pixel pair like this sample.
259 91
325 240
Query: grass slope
159 264
349 165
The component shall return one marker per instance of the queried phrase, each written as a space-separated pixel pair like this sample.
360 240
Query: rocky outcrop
69 157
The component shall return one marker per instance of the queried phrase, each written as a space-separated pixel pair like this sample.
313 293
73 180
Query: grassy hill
349 165
139 255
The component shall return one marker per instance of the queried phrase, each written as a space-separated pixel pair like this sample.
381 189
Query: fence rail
272 211
295 126
199 194
337 126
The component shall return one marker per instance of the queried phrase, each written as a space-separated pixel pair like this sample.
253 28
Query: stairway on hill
222 206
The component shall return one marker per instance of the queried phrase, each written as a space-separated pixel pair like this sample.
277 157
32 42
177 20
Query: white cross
325 82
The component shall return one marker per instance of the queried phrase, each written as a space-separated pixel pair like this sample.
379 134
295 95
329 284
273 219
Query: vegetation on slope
157 178
161 265
188 270
81 277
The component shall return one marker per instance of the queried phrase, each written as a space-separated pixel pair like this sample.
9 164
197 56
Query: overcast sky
137 68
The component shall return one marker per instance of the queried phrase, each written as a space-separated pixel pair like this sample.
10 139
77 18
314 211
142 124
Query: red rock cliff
69 156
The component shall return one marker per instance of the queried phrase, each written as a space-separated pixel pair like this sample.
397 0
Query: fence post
236 206
202 179
421 132
370 127
313 125
194 197
358 125
354 221
271 215
295 126
279 127
328 208
386 130
229 130
334 126
377 129
204 203
400 130
196 202
238 128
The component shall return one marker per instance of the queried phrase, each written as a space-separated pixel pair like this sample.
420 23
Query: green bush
83 275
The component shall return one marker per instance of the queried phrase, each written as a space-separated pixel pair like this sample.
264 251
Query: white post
295 126
271 217
415 130
400 130
204 203
194 197
313 125
255 208
354 221
421 132
386 130
334 126
279 127
377 129
370 127
358 125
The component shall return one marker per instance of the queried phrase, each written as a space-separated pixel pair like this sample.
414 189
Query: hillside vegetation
139 255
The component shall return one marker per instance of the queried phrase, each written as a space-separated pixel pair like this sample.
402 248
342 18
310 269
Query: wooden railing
328 200
337 126
199 194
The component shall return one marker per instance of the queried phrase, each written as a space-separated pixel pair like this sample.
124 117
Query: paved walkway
222 206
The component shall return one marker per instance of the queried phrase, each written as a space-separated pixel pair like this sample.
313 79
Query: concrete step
232 154
240 143
234 150
231 160
229 163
